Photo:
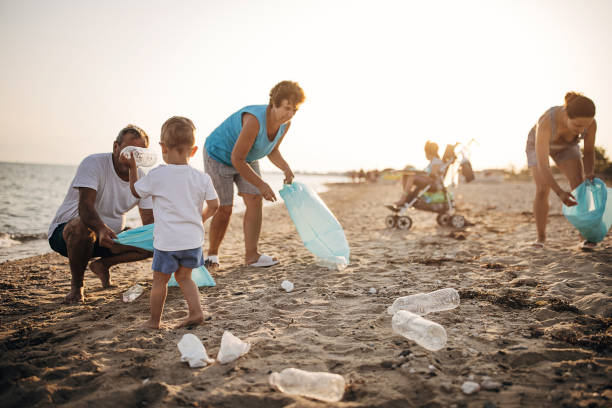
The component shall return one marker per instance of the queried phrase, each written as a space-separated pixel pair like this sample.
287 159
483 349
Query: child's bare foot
101 272
191 321
149 324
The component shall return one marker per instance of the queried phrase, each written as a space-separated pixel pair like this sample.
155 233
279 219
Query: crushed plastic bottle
193 351
423 303
318 385
132 293
144 157
231 348
425 333
287 285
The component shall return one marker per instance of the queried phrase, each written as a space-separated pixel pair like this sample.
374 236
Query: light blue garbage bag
593 214
142 237
321 233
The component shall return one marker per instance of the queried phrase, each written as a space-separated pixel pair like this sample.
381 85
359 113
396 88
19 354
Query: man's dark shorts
58 244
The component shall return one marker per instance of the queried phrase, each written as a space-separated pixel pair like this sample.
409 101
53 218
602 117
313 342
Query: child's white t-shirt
179 193
113 198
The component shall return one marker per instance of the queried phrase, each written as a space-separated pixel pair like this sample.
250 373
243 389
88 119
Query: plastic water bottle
321 233
425 333
132 293
423 303
318 385
144 157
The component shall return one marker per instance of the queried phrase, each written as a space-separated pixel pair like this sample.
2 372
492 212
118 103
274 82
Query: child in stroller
420 179
430 193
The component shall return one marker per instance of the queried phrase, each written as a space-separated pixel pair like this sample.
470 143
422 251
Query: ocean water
30 194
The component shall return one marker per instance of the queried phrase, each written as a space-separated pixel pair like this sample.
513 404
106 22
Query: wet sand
536 322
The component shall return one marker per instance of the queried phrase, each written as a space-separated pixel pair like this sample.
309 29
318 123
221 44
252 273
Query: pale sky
380 77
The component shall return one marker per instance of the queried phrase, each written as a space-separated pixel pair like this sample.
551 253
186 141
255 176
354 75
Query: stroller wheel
390 221
457 221
404 223
443 219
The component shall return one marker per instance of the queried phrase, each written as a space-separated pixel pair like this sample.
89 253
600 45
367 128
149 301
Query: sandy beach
535 322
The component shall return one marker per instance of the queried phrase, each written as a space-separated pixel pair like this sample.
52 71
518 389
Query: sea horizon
31 193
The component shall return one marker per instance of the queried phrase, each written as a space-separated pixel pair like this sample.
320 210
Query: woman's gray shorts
224 177
570 152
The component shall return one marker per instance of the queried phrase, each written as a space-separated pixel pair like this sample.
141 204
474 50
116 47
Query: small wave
9 240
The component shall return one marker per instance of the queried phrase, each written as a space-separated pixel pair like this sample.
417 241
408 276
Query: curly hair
132 130
288 90
178 133
578 106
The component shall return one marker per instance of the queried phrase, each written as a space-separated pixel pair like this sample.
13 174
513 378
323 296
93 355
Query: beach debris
425 333
423 303
144 157
318 385
231 348
446 387
287 285
470 387
145 381
132 293
490 385
193 351
372 291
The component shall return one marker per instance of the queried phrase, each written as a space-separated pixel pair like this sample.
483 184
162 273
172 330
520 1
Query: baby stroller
435 197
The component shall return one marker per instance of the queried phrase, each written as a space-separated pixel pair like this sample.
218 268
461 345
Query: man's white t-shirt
113 198
179 193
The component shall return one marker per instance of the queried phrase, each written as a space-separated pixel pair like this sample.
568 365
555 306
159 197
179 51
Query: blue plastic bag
321 233
593 214
142 237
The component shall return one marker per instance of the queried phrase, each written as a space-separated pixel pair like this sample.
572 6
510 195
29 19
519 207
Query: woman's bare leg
253 217
573 171
540 204
218 227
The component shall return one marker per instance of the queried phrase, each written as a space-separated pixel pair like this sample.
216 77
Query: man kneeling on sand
93 212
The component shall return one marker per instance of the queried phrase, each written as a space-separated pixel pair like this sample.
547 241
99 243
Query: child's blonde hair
178 133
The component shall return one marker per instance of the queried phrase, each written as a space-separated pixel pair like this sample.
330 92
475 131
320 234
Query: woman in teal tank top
557 135
230 154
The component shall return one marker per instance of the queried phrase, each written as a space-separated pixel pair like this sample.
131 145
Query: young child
178 191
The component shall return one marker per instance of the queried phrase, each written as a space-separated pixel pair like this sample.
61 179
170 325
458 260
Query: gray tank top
556 146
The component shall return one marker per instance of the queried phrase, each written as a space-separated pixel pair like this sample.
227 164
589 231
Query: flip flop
588 246
211 262
264 261
537 245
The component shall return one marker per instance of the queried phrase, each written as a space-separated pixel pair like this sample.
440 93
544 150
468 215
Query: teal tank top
220 143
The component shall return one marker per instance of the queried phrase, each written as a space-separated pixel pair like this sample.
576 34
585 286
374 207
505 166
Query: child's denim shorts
169 261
